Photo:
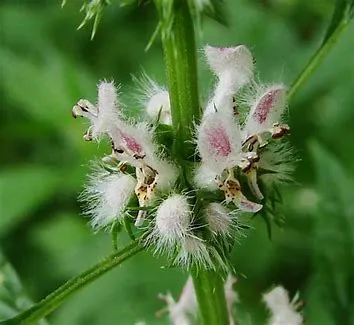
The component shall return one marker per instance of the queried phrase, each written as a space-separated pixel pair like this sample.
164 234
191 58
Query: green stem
318 57
181 68
180 54
57 297
209 289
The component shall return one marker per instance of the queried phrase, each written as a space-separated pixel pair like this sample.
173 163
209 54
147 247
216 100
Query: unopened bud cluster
240 152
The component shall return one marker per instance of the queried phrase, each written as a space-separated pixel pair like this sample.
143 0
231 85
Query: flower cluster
234 152
232 147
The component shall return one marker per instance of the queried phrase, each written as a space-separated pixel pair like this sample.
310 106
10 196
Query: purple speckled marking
131 143
265 105
219 140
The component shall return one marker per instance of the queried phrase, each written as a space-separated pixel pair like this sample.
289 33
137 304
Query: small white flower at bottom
283 312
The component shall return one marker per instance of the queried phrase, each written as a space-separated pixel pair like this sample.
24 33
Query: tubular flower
232 149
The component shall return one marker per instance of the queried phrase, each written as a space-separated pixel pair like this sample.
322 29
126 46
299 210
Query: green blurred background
46 66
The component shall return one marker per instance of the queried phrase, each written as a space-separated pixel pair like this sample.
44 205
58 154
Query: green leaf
93 10
343 10
22 191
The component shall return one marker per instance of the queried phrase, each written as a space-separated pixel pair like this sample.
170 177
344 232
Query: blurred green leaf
343 11
22 191
12 295
333 282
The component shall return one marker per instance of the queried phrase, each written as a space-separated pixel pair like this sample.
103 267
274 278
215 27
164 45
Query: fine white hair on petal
107 195
154 98
266 110
282 312
159 107
167 174
219 141
219 218
172 222
234 68
204 178
194 252
108 113
237 61
137 142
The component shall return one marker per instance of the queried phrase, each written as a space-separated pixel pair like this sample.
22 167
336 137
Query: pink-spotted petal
267 110
219 141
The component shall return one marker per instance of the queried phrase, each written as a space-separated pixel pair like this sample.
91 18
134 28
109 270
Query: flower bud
219 219
107 195
173 219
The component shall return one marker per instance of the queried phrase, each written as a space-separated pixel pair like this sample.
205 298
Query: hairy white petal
167 174
204 178
155 99
219 141
107 196
234 68
173 221
282 311
219 218
266 110
237 61
158 106
108 113
194 252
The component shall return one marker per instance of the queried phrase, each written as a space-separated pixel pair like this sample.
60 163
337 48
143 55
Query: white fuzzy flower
266 110
233 67
172 223
219 145
218 218
107 195
283 313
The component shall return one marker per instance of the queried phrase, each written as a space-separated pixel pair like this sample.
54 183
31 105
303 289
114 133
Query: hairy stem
181 69
180 54
57 297
318 57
